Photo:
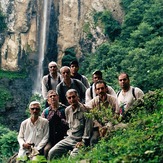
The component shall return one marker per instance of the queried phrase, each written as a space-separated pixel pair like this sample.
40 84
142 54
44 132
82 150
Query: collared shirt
75 84
79 126
37 133
51 112
110 101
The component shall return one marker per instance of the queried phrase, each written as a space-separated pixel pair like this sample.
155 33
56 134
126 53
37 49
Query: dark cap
75 62
97 72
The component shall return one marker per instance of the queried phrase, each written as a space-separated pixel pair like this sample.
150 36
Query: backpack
133 93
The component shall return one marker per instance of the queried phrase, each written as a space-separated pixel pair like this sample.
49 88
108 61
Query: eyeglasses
37 109
53 66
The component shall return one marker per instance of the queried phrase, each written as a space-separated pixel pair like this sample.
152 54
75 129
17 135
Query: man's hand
79 144
27 145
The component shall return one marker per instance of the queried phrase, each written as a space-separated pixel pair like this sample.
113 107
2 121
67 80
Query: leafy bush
8 143
105 20
5 96
69 56
12 75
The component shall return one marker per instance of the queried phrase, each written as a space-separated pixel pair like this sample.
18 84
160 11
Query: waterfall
42 45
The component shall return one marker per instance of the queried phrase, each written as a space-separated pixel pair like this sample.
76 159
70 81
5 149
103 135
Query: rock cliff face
64 28
34 38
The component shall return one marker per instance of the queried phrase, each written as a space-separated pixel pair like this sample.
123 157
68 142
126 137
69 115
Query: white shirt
37 133
127 99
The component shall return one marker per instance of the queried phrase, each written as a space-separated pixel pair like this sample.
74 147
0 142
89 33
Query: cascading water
42 45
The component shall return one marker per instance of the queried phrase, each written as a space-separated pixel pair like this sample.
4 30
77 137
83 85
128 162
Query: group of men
63 125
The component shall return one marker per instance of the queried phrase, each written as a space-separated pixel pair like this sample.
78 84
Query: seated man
33 133
80 128
58 126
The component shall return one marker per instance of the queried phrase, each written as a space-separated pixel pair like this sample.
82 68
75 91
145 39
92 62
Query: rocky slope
64 28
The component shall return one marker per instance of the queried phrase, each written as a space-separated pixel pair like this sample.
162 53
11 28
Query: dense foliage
12 75
137 50
8 143
5 95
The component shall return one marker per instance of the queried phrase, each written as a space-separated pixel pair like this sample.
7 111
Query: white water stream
42 45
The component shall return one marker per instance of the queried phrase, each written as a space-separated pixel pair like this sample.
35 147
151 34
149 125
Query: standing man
91 92
79 128
55 114
68 83
128 94
74 68
102 100
33 133
50 81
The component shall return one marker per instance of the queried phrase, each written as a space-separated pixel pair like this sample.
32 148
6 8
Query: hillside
141 141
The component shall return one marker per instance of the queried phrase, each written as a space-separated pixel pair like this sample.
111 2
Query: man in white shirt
129 94
33 133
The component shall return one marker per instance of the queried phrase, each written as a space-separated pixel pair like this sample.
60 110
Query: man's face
101 90
74 68
53 68
124 82
95 78
65 73
72 98
35 110
53 99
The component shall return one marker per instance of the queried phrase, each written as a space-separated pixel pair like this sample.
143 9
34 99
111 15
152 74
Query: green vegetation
69 56
3 24
86 29
12 75
8 143
5 96
105 20
137 50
